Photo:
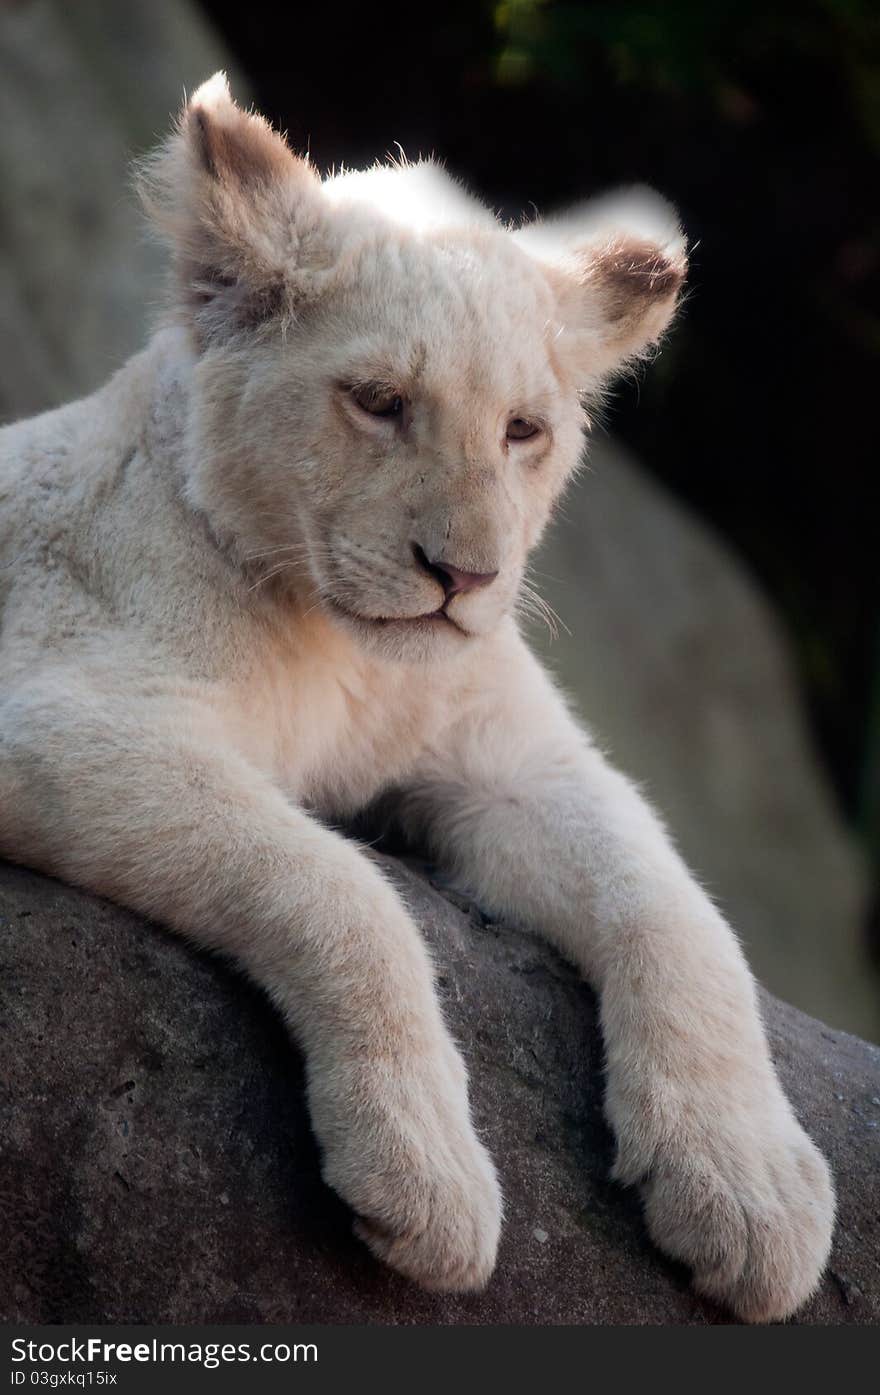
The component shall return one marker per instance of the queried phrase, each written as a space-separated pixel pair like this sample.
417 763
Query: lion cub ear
242 214
618 265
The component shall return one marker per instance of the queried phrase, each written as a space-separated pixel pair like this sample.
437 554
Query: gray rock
85 88
156 1163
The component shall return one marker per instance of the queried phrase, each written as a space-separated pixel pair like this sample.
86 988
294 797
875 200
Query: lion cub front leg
145 803
534 821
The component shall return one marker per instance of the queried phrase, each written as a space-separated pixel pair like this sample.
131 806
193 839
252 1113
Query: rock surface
156 1163
86 87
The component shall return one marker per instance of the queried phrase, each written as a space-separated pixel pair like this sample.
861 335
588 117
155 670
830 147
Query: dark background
762 122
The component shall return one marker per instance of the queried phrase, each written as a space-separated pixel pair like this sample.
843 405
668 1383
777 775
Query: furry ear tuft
234 146
241 213
618 264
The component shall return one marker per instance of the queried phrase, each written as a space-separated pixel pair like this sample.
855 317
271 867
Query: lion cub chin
270 572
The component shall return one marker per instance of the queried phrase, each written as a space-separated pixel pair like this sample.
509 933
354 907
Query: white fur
208 651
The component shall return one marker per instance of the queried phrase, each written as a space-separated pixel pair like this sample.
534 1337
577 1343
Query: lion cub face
390 386
420 427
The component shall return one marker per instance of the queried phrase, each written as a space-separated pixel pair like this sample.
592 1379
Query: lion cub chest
335 728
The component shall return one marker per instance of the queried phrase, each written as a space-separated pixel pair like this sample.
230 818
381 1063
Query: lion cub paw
752 1213
443 1229
422 1185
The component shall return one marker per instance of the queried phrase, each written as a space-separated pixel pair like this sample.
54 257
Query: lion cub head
390 386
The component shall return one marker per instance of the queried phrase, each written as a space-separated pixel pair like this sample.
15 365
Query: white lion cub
269 572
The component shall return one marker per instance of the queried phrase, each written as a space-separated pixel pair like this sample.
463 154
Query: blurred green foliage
692 48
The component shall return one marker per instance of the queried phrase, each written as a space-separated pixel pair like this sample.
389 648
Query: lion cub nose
454 580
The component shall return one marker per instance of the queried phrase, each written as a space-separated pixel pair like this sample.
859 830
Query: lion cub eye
379 401
521 429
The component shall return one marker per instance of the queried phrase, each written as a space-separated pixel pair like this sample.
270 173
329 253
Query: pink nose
454 580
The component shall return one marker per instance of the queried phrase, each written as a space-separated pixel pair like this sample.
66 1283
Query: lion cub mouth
428 618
